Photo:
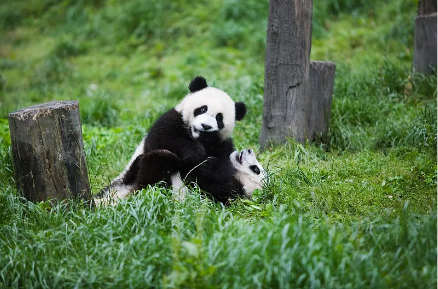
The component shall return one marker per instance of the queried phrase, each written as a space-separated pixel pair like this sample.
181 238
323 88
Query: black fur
240 110
220 190
216 175
170 133
198 83
132 173
200 110
255 169
220 121
157 166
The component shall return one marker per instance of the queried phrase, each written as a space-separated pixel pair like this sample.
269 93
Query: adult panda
197 131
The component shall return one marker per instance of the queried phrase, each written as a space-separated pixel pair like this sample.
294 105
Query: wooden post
298 93
48 153
322 77
425 40
285 107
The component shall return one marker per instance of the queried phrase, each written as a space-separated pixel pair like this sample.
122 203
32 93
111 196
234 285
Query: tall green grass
151 241
386 107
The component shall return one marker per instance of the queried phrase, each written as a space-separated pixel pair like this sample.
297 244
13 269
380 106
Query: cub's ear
197 84
240 110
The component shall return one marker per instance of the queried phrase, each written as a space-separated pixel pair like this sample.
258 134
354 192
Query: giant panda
247 172
197 131
162 165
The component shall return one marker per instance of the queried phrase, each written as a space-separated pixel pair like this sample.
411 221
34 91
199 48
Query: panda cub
248 175
197 132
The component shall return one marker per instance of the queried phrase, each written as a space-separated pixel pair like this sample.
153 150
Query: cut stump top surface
44 108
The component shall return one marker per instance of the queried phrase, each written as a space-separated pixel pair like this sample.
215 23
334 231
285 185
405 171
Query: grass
355 210
151 241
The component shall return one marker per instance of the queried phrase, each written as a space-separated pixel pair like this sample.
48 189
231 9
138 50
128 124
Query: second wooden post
297 92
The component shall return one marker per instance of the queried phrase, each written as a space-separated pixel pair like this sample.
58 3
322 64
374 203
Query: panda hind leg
112 194
179 189
159 166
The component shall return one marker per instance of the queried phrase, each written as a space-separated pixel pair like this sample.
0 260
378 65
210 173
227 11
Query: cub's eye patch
255 169
220 120
200 110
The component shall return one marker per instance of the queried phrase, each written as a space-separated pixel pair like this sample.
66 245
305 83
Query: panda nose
249 151
205 126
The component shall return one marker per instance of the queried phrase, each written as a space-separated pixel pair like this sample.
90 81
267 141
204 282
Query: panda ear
197 84
240 110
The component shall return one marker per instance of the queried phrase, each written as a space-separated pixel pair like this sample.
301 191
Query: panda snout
206 126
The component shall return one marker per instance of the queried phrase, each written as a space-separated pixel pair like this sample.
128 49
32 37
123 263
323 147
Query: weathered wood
425 38
48 153
285 108
322 77
426 7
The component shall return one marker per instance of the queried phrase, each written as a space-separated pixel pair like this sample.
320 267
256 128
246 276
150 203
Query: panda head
249 171
208 109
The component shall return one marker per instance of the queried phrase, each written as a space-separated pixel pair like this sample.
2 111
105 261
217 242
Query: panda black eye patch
220 120
200 110
255 169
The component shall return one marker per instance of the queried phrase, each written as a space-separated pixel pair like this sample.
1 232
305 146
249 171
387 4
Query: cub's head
248 171
208 109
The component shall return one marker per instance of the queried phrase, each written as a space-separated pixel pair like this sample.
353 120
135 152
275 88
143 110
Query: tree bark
48 153
322 77
286 105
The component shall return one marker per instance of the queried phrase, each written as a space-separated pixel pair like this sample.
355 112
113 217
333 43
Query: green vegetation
357 210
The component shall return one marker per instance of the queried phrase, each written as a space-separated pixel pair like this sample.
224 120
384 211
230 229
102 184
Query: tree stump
298 92
425 38
48 152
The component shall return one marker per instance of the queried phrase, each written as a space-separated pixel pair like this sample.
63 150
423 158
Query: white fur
114 194
178 187
207 119
217 101
249 179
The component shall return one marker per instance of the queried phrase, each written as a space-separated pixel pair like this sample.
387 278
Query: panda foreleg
192 152
219 170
